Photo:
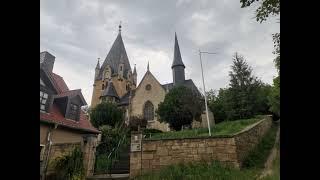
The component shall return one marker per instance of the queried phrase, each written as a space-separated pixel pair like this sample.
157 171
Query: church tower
177 65
114 80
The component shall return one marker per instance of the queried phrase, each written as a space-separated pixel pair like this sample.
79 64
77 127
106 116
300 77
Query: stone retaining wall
229 150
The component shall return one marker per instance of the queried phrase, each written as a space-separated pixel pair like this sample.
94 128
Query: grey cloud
78 32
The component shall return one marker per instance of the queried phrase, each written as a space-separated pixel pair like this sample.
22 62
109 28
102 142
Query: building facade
114 82
63 125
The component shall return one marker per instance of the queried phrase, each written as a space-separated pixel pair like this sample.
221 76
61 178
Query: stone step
106 176
120 171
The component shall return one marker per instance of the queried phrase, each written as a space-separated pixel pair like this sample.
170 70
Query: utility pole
204 90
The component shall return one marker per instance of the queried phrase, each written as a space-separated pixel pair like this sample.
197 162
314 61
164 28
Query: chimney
47 60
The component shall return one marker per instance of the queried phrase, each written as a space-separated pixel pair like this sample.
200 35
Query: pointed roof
110 91
134 69
98 64
116 54
177 60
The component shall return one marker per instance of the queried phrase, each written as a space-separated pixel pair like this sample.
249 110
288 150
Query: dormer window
43 101
73 111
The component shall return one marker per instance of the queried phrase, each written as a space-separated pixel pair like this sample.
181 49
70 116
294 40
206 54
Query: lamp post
204 90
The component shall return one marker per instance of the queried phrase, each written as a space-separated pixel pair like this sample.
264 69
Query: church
114 81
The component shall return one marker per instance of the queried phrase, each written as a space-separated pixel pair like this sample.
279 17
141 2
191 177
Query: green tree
180 106
106 113
216 103
274 98
267 8
242 94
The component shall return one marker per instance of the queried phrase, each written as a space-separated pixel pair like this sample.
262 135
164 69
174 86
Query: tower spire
177 60
120 27
98 64
177 65
148 66
134 69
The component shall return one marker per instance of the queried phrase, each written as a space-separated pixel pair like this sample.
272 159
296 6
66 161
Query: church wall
120 87
97 90
155 95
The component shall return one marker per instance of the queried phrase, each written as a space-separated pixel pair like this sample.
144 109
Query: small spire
134 69
148 66
98 64
120 27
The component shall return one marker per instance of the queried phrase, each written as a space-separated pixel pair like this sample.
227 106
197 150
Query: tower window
120 68
43 100
102 86
148 111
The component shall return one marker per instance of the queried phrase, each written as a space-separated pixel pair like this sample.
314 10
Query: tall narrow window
148 111
73 111
43 100
102 86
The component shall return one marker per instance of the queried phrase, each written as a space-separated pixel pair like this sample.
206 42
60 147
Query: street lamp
204 90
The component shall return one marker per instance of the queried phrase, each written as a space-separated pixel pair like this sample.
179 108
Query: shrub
70 166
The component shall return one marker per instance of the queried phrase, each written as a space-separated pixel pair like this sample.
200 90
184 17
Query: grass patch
258 156
223 128
200 171
275 168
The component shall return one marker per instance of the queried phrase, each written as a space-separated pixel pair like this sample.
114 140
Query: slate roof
124 100
116 54
177 60
110 91
188 83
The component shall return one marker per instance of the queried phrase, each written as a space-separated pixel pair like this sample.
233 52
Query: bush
106 114
70 166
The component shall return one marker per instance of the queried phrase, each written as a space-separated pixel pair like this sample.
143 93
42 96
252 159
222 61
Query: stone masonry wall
248 138
229 150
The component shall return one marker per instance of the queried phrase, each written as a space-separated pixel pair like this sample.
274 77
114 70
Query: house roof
55 116
61 85
72 93
116 55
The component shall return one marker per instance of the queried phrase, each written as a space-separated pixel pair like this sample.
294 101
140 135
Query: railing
114 153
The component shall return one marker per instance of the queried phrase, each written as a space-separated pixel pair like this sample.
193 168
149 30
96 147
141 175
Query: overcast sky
77 32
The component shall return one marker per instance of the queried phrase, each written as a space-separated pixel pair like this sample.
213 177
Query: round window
148 87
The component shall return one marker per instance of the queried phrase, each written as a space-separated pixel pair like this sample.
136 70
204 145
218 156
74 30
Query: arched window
102 86
148 111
